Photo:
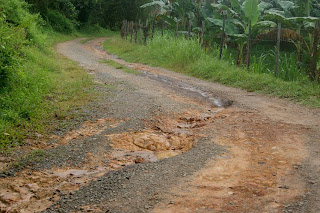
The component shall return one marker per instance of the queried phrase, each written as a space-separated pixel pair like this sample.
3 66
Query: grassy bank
49 87
186 56
41 88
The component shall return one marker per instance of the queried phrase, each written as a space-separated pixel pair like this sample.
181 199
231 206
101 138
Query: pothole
166 136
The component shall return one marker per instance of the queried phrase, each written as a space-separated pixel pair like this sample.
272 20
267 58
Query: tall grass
49 86
186 56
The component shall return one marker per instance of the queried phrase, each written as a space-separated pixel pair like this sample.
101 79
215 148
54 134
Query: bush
16 14
11 40
59 22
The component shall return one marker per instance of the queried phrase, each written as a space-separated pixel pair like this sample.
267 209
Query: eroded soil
163 142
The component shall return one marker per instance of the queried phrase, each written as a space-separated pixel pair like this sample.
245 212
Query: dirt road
159 141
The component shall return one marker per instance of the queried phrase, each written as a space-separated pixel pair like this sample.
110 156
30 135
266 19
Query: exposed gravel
139 187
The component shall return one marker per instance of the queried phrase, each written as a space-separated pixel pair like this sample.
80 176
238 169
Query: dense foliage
28 70
248 25
68 15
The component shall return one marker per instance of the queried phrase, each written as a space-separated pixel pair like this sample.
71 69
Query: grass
187 57
120 67
53 85
55 37
45 86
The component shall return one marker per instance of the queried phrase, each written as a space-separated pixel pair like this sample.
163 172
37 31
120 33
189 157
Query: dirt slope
159 141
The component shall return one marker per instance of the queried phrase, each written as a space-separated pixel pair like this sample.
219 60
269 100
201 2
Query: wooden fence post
313 65
189 29
145 32
140 39
276 70
136 32
249 47
153 29
202 33
222 36
127 29
122 29
162 28
177 28
131 31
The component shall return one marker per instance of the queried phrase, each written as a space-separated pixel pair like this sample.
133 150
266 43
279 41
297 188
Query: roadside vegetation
187 56
37 86
264 46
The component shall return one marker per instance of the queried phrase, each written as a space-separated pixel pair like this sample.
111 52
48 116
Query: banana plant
242 15
293 15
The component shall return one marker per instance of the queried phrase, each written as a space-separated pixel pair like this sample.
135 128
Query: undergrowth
186 56
50 86
37 85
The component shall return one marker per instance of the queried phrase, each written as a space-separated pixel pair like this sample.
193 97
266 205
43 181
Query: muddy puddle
188 90
164 137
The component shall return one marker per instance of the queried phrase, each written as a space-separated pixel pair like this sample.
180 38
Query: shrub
11 40
59 22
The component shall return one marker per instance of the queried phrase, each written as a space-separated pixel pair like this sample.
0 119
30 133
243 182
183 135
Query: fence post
131 31
145 32
202 33
222 36
139 34
276 70
189 29
122 29
136 28
162 27
153 28
127 29
177 28
249 46
313 65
